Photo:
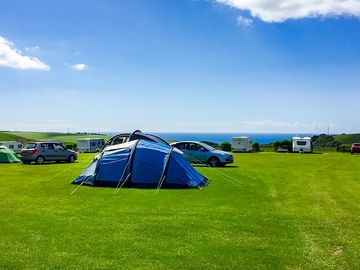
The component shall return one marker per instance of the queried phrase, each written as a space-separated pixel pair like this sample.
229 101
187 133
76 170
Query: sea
261 138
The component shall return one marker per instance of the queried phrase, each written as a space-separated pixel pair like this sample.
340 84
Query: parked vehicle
14 146
41 152
355 148
136 135
241 144
198 152
302 144
90 145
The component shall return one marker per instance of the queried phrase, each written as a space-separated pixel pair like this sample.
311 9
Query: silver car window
47 145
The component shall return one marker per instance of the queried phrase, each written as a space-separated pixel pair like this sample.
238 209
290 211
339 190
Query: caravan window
19 146
11 146
301 143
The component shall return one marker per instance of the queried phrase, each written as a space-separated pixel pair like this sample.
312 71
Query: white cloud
79 67
240 20
282 10
32 49
13 58
279 126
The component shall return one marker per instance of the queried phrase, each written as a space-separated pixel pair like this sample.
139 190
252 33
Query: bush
344 148
70 146
324 140
256 147
225 146
285 144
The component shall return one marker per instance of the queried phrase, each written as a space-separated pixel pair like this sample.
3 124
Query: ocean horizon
261 138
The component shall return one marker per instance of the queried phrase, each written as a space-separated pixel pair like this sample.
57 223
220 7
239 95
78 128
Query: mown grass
269 211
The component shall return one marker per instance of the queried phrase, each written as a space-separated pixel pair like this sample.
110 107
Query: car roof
46 142
187 142
205 145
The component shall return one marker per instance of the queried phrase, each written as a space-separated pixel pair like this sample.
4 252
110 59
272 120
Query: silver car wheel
40 160
71 159
213 162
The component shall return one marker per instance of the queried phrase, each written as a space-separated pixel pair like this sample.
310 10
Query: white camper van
90 145
241 144
302 144
14 146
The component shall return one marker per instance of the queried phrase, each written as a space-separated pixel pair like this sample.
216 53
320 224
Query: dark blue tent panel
142 164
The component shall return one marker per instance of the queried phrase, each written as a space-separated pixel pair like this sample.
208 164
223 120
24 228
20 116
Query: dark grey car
46 151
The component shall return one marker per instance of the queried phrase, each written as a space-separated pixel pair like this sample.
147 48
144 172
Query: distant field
348 138
268 211
36 136
7 137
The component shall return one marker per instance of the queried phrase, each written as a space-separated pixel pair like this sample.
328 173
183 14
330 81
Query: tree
256 147
225 146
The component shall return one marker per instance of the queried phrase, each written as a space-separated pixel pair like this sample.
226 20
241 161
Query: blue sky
178 66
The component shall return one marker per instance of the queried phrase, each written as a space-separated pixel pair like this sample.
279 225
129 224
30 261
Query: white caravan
241 144
14 146
90 145
302 144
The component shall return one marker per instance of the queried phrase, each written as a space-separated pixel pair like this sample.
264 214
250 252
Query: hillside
348 138
4 136
37 136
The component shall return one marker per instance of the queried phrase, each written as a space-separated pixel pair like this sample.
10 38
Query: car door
192 153
48 151
183 147
200 153
60 152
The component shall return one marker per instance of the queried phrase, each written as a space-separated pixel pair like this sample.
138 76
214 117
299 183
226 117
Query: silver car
202 153
46 151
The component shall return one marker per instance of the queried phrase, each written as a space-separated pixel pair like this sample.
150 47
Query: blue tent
142 163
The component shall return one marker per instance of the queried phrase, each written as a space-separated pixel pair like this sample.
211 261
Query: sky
284 66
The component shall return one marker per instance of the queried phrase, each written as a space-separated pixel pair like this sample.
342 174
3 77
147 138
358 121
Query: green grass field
269 211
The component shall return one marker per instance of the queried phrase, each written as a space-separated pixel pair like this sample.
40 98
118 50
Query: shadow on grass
49 163
219 167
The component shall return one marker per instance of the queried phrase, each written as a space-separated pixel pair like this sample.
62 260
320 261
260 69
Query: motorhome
302 144
241 144
14 146
90 145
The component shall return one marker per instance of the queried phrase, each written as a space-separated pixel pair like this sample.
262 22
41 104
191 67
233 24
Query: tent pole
163 175
126 167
